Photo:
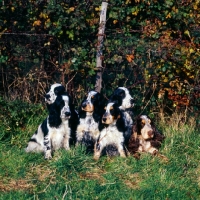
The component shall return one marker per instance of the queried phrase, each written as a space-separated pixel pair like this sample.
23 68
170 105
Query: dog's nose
67 114
84 104
47 96
150 133
104 119
132 101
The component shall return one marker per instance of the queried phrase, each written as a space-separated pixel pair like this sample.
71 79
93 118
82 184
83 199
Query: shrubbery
152 47
15 116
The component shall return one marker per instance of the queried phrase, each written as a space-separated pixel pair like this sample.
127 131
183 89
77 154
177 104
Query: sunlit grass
75 175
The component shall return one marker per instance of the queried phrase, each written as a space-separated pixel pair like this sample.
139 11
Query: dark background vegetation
150 47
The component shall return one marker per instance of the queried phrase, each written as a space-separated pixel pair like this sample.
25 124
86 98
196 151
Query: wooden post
99 57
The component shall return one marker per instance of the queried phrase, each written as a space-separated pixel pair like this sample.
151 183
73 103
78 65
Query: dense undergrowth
151 47
75 175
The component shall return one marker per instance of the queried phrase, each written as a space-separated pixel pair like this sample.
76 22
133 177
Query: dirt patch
21 184
93 175
198 175
41 173
133 181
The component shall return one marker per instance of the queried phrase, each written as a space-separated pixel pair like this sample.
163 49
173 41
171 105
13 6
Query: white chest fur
88 125
111 135
59 135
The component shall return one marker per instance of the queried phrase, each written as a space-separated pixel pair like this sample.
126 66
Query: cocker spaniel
145 137
90 113
112 128
54 132
58 89
122 98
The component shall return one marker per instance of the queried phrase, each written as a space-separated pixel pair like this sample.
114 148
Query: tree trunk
99 57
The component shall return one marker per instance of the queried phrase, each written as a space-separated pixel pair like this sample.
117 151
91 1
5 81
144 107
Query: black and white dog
112 128
54 132
90 113
56 90
122 98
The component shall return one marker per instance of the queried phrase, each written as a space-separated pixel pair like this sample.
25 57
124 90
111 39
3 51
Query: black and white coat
58 89
112 129
122 98
54 133
90 113
55 90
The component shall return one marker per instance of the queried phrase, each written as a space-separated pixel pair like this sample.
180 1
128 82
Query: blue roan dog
90 113
122 98
112 128
54 132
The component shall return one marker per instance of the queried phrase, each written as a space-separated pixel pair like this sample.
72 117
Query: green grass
75 175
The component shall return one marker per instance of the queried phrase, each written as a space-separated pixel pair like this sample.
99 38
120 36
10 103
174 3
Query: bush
15 116
152 47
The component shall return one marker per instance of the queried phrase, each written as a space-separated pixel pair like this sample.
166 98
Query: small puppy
145 137
90 113
112 128
54 132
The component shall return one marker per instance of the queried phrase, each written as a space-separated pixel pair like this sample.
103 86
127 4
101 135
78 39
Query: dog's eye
111 108
143 122
122 93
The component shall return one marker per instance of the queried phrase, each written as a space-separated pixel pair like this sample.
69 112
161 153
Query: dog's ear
54 113
101 125
136 126
133 144
121 122
99 107
58 100
82 113
115 99
59 90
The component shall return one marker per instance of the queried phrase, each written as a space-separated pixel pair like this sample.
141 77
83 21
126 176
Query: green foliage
149 46
15 117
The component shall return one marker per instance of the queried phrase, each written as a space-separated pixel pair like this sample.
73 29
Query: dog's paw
48 155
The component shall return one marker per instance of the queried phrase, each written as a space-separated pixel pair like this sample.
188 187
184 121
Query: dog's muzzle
104 119
65 113
87 106
84 104
47 97
68 114
132 102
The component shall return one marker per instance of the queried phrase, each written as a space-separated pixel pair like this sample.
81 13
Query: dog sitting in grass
112 128
54 132
90 113
145 137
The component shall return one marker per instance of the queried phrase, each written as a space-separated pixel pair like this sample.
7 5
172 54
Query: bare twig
70 80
